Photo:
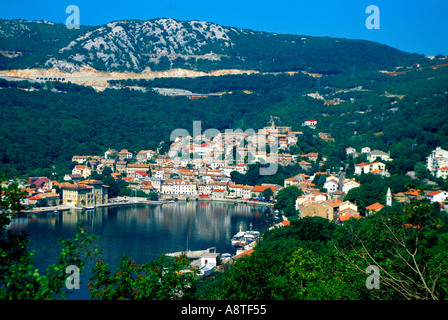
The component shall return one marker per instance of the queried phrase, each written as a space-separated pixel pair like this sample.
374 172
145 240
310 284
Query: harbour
144 231
133 201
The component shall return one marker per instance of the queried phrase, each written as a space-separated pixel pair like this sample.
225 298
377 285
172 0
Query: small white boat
243 238
252 235
206 270
238 237
90 208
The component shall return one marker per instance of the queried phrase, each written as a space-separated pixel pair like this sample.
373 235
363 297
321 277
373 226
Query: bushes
314 258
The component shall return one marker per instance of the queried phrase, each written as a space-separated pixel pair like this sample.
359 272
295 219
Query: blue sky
411 26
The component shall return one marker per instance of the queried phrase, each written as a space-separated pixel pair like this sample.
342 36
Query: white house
108 152
159 174
179 187
310 198
377 166
350 151
442 172
348 205
218 194
362 167
209 258
372 155
82 170
239 190
309 123
331 185
374 167
145 155
365 150
436 160
350 184
437 196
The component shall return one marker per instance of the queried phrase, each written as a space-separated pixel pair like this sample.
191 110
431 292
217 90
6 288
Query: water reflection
142 232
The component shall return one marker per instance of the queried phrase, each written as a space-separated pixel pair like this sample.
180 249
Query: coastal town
206 175
164 152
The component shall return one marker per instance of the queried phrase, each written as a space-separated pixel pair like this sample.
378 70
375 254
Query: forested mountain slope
405 114
163 44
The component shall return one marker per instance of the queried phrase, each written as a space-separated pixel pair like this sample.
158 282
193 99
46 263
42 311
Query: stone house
85 193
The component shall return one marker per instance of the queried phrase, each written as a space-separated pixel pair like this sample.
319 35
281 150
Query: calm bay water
142 232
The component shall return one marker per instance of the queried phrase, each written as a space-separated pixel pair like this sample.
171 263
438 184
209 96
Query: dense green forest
315 259
45 127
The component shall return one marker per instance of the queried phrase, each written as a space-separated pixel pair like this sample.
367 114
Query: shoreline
127 201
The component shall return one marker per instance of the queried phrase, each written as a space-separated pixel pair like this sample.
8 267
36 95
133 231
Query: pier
118 202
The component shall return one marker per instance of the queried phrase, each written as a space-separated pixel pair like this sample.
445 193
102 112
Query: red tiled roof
346 214
375 206
362 164
56 183
245 253
90 181
435 193
334 203
49 194
75 186
262 188
412 192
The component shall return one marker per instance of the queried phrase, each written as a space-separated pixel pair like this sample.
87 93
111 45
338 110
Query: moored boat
237 238
243 238
206 270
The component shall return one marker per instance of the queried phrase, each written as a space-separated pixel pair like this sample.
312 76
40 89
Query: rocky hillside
164 44
136 45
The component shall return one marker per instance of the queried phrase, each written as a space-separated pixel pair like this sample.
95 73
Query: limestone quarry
91 77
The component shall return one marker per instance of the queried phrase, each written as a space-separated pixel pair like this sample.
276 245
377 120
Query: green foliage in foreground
19 280
162 279
314 259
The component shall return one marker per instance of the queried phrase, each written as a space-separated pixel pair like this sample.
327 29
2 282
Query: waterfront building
85 193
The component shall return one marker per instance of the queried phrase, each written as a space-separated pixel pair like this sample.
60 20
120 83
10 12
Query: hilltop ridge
165 44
